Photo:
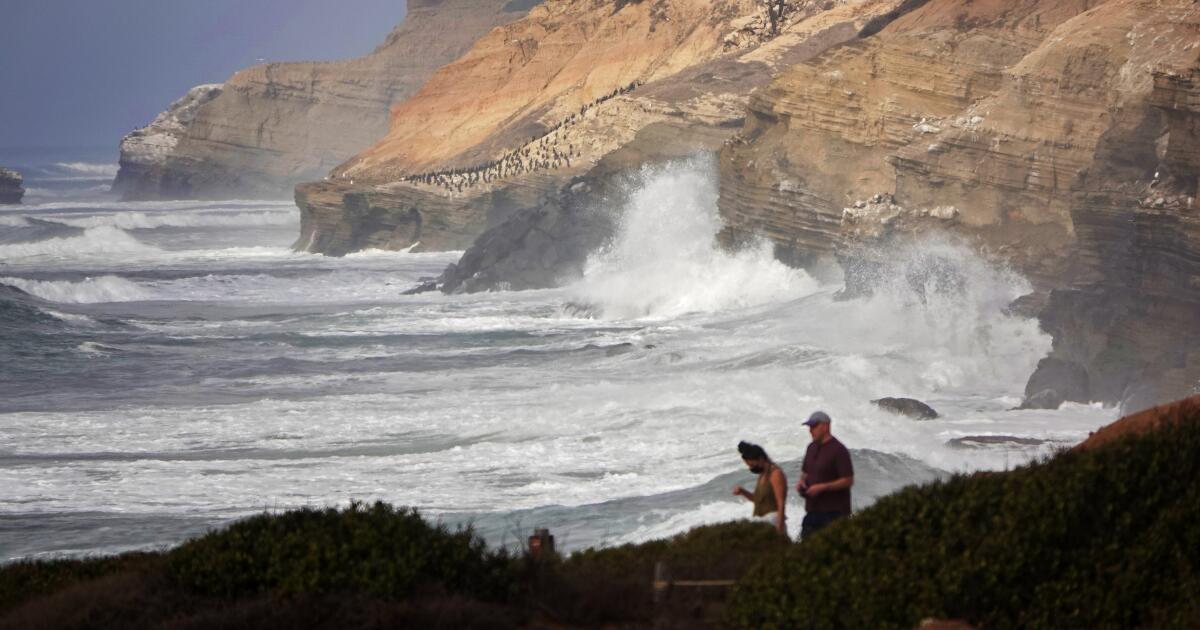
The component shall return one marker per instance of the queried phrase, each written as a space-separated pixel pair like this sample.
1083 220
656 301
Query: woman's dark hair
751 451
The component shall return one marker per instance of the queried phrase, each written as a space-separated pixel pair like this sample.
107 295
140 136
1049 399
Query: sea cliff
575 88
11 190
1057 137
274 125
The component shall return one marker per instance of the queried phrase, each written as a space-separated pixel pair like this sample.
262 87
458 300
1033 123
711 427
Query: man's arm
836 484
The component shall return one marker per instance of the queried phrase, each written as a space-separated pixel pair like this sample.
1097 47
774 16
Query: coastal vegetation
1099 536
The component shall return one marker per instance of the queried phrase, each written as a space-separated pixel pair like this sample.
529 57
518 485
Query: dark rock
618 349
1044 399
548 244
910 407
11 190
535 248
613 350
1067 379
424 286
1029 305
983 441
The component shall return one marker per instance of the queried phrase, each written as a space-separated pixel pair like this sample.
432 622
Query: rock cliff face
11 191
272 126
574 82
1060 137
145 151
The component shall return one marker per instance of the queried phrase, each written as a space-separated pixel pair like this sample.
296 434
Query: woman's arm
779 485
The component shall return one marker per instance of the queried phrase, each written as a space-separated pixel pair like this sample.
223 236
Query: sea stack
10 186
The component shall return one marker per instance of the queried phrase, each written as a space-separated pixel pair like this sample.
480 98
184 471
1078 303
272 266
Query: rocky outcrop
272 126
910 407
1058 137
145 151
580 90
548 243
11 190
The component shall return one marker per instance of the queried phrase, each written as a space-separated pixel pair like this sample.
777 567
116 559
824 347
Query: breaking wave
665 262
89 168
145 221
104 240
90 290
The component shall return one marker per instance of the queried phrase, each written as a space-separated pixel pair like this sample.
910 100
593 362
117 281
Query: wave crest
152 220
665 261
89 168
104 240
88 291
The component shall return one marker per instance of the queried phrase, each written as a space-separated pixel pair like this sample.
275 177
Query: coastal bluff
1099 536
1058 138
11 189
274 125
576 89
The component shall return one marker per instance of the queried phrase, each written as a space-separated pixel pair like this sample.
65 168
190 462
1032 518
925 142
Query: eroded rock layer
11 190
272 126
572 86
1059 137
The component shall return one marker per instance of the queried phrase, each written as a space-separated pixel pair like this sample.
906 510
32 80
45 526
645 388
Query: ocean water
166 367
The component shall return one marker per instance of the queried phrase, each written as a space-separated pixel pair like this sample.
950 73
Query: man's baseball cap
816 418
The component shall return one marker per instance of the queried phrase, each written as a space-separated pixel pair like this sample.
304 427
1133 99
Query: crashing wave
87 291
665 261
29 230
89 168
152 220
103 240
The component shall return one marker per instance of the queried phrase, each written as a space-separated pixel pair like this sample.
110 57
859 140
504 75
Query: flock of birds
538 154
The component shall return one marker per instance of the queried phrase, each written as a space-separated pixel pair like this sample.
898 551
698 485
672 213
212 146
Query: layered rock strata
572 83
272 126
1058 137
11 190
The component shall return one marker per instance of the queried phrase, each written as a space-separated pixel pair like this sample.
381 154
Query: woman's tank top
764 493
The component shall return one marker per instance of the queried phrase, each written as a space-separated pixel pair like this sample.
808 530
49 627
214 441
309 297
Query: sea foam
665 261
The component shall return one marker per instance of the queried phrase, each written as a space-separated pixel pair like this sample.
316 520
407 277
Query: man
825 477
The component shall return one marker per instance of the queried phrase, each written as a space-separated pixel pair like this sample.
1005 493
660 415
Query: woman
770 494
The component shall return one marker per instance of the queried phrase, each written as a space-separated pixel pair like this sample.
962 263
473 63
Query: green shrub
26 579
613 585
708 551
1104 538
377 550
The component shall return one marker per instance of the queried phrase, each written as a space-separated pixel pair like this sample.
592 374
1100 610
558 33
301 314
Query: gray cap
816 418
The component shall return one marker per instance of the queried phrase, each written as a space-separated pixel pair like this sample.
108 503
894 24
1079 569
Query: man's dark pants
814 521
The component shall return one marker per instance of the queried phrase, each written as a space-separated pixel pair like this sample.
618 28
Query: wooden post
662 582
541 544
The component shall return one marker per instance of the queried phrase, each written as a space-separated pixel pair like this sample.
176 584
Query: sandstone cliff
272 126
1060 137
573 82
11 191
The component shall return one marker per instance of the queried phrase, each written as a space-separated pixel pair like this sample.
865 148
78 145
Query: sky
83 73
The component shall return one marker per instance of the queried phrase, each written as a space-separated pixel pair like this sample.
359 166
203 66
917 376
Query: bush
614 584
1103 538
377 550
26 579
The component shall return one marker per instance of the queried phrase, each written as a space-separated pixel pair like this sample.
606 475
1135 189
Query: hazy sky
86 72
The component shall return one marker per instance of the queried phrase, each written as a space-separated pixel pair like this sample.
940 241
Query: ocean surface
166 367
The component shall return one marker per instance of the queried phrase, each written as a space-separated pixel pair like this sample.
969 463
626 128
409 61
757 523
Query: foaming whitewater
89 168
90 290
103 241
663 262
168 366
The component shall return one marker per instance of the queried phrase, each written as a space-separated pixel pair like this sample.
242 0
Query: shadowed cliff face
565 93
1058 136
11 190
272 126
